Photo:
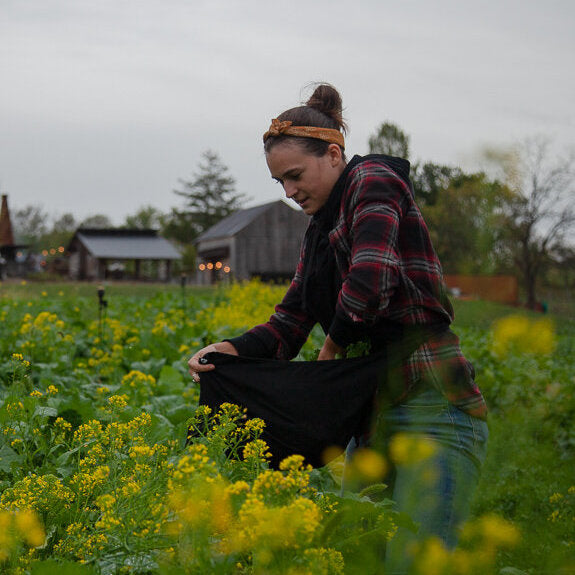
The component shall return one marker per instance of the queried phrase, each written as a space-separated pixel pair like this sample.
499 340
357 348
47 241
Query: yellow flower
62 425
266 527
130 488
433 558
555 497
327 560
238 488
205 505
144 451
245 304
367 465
137 379
91 430
19 526
30 527
519 334
118 401
255 425
408 448
493 531
257 449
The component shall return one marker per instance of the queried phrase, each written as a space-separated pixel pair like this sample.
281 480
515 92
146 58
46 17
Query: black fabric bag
308 406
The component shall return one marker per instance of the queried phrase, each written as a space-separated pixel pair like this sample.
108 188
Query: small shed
98 254
263 241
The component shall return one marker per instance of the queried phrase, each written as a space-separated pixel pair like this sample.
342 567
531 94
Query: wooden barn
98 254
263 241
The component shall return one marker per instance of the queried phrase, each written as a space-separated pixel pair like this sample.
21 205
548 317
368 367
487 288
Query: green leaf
7 457
161 427
42 411
170 380
180 413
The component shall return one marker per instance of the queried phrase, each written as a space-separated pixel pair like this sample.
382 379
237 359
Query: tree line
519 220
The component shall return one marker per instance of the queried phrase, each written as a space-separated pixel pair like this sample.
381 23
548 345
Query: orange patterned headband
278 128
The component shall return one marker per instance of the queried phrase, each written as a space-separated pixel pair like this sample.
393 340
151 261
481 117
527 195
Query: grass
18 289
525 463
522 471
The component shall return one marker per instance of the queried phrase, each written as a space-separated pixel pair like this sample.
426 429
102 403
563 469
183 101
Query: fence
502 289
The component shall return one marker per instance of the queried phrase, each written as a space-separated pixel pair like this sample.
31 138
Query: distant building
10 250
6 233
263 241
97 254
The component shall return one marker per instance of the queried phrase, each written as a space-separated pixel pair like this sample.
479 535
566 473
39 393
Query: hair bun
326 99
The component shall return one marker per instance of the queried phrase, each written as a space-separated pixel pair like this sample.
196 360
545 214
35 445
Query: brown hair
322 110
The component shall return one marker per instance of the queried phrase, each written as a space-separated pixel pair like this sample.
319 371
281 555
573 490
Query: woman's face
306 179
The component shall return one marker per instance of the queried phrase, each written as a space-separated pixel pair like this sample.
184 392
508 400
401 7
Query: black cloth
308 406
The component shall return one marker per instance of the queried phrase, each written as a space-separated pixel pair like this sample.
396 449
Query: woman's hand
194 363
330 350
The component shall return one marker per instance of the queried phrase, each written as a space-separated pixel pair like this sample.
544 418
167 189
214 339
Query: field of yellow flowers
96 477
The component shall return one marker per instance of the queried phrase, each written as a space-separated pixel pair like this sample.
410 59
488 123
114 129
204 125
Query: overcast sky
106 104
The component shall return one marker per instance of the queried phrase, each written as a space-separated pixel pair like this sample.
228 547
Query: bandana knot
286 128
278 127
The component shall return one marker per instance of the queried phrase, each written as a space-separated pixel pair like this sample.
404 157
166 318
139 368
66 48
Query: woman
368 272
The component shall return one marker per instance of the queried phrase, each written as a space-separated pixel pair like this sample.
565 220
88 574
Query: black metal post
183 280
102 308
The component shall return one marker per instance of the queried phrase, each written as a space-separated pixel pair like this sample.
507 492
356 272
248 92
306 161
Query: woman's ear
335 155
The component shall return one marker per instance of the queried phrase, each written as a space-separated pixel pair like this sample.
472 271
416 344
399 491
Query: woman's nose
290 189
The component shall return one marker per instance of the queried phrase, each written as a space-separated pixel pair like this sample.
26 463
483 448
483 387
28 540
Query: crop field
96 477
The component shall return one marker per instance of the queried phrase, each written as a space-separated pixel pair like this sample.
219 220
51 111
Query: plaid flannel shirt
390 273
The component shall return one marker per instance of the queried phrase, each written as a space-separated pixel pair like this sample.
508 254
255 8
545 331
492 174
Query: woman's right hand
194 362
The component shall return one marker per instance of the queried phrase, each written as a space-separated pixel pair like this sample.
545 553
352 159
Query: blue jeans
434 490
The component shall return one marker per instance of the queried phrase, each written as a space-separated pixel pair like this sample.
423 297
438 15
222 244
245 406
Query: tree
430 179
99 221
540 212
465 224
179 225
61 232
389 139
30 224
146 218
209 197
563 263
65 223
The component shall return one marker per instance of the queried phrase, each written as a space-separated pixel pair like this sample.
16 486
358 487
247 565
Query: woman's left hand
330 350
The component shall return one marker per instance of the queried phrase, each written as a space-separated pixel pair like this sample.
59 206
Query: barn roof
125 244
235 222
